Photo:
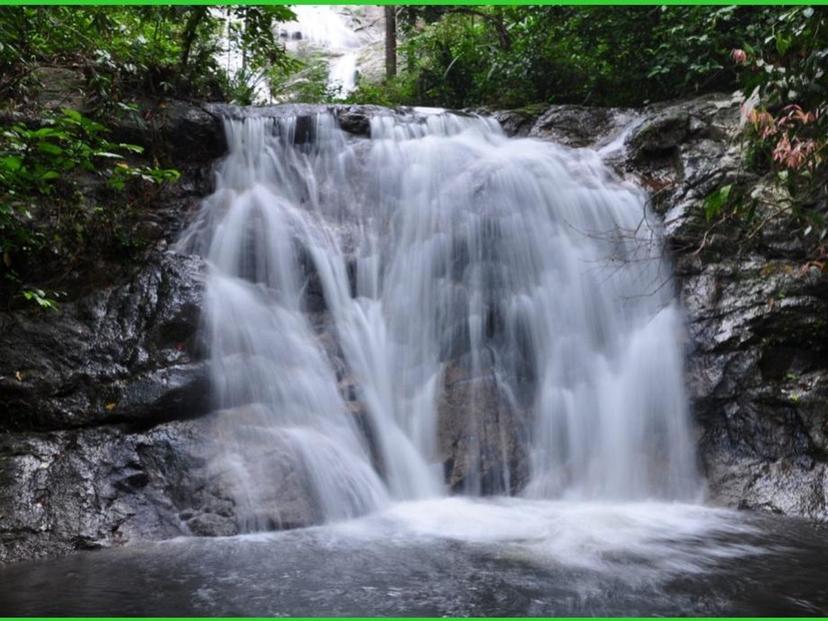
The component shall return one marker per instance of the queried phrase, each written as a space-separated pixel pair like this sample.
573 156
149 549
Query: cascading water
325 30
446 254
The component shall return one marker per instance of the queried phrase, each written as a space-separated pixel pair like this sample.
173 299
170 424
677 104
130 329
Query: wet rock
93 488
662 133
758 350
757 374
129 352
212 525
104 486
518 122
356 120
577 126
185 132
481 434
260 470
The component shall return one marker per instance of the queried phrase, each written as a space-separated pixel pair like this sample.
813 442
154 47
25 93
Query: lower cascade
436 309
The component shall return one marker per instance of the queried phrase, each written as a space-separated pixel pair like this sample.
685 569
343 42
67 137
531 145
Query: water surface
459 557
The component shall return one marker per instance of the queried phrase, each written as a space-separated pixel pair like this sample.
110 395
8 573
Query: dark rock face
97 487
757 316
126 353
573 126
356 119
78 386
576 126
191 134
758 374
662 133
517 122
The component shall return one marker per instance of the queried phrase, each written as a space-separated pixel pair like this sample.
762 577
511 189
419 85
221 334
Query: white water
325 29
441 247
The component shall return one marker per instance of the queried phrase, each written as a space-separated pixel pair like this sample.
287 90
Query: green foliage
715 201
39 297
514 56
304 81
785 115
147 50
786 57
390 93
41 203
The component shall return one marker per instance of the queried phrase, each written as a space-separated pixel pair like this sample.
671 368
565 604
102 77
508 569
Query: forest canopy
447 55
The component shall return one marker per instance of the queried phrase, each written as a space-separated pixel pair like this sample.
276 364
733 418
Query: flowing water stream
443 250
341 35
353 284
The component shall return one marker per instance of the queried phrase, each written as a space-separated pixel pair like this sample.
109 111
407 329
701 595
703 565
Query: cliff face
105 425
758 324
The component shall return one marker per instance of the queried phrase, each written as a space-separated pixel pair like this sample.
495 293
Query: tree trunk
190 29
390 41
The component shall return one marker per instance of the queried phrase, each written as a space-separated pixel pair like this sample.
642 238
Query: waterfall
364 296
327 31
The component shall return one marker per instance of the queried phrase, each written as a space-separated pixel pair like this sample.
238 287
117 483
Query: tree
390 41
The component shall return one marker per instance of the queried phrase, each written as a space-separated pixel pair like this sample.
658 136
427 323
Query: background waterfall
354 282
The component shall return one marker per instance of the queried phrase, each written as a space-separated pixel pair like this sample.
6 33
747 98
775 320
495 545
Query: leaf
12 163
45 132
73 115
715 201
48 147
110 406
108 154
133 148
782 44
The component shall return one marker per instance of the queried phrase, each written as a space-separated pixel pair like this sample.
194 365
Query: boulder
578 126
110 485
662 133
182 131
125 353
97 487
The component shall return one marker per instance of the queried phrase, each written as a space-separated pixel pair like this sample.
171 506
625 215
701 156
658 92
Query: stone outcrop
96 487
757 316
125 353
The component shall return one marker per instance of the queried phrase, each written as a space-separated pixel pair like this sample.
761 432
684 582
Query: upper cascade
435 308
